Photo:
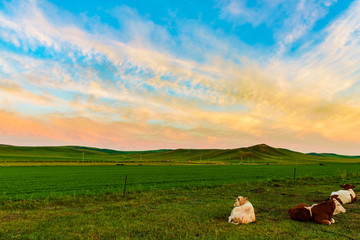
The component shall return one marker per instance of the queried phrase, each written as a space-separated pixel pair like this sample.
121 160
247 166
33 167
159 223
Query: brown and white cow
345 196
319 213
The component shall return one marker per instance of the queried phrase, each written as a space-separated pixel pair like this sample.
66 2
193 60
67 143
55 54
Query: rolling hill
258 154
332 155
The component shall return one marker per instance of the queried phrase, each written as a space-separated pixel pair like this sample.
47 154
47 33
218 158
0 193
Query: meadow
177 199
34 182
197 212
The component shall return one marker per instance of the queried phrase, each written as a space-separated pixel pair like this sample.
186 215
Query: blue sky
181 74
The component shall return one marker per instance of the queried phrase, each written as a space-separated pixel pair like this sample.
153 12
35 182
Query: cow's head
240 201
347 186
338 208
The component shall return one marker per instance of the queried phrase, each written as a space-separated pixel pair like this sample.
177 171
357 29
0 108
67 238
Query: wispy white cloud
239 12
289 20
302 21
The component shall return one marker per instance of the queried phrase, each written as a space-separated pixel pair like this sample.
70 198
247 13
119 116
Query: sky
159 74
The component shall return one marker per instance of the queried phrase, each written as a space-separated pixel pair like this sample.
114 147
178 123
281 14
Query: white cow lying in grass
243 212
345 196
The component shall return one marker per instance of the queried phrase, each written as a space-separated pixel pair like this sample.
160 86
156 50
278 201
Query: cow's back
243 214
343 195
299 212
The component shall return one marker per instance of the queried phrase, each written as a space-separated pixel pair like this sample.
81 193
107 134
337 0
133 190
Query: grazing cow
345 196
319 213
243 212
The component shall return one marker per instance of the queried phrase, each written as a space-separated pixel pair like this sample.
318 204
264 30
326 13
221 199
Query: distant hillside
258 154
333 155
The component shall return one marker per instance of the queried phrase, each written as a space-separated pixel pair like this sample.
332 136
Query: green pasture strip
259 154
36 182
192 213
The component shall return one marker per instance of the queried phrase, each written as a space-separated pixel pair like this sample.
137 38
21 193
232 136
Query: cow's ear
342 186
245 199
352 186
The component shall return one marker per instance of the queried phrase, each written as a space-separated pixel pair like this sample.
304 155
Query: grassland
70 155
56 193
21 182
181 213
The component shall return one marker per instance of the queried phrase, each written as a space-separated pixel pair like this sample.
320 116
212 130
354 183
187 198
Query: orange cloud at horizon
87 132
61 130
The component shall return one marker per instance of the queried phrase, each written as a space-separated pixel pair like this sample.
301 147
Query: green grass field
168 197
181 213
24 182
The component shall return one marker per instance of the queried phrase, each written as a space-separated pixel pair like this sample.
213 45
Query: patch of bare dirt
258 190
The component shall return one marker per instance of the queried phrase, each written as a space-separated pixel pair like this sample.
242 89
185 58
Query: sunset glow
181 74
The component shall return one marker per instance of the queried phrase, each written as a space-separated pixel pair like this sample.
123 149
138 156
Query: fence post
125 185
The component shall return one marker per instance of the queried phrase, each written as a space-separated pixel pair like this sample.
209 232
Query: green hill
333 155
258 154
